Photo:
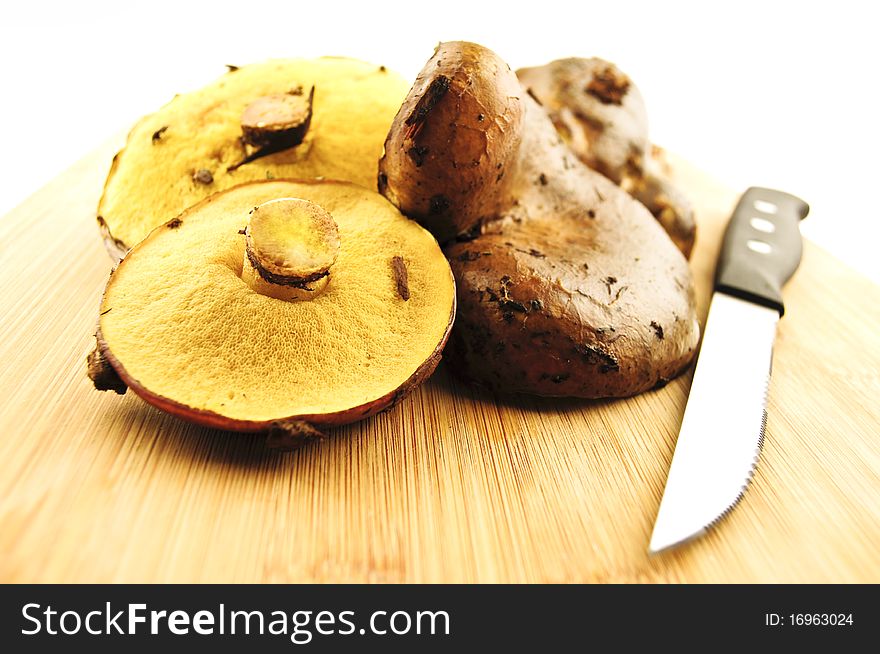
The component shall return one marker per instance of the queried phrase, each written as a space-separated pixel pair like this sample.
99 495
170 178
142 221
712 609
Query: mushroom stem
273 123
290 246
102 374
277 121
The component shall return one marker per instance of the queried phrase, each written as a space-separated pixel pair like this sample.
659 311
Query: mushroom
297 118
566 284
276 307
601 115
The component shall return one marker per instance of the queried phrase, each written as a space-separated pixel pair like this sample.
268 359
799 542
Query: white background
781 94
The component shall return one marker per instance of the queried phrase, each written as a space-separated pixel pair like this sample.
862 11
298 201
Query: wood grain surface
453 485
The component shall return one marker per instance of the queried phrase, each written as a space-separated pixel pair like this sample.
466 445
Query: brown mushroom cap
239 129
566 284
554 307
598 111
601 115
186 332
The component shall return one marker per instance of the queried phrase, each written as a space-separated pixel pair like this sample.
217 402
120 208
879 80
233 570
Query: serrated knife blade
725 418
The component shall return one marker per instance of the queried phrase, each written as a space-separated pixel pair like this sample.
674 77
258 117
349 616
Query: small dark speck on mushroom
542 179
203 176
398 267
438 204
658 329
382 69
231 68
157 135
242 231
418 153
174 223
609 282
591 214
470 255
470 235
534 97
481 117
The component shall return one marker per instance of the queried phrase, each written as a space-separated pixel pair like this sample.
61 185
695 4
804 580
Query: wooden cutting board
453 485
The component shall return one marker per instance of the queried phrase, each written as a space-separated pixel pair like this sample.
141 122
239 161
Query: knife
723 426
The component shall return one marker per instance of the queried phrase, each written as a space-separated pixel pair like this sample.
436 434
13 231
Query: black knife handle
762 247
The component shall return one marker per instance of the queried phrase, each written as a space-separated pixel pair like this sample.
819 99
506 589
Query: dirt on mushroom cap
180 322
152 179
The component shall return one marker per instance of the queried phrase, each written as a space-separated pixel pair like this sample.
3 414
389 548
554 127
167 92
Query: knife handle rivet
762 225
766 207
760 247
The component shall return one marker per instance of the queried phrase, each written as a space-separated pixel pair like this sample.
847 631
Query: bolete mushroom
566 284
277 306
601 115
298 118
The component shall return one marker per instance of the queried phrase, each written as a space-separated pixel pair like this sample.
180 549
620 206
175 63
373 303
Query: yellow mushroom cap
189 149
187 333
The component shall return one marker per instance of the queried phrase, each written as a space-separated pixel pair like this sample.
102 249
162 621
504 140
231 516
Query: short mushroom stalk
277 122
274 123
291 245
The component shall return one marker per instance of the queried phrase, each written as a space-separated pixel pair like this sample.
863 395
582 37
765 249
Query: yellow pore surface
183 324
152 179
